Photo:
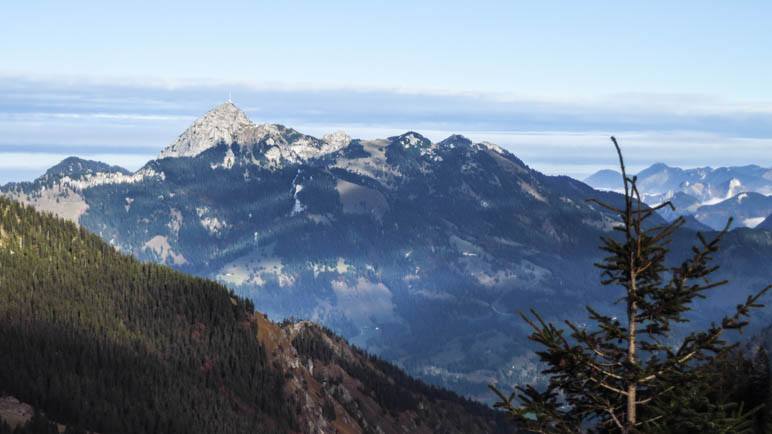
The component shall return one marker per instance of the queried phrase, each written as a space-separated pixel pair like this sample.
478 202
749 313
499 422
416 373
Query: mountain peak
656 167
605 179
219 124
456 140
75 167
411 139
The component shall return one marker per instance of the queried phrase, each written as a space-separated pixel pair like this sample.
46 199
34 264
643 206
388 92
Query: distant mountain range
420 252
709 195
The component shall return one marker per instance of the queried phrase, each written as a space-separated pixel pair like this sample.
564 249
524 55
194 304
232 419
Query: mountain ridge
420 252
699 192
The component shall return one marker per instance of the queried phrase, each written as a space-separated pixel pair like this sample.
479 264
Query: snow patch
340 267
364 301
210 222
296 189
103 178
411 140
753 221
492 147
160 246
279 145
259 269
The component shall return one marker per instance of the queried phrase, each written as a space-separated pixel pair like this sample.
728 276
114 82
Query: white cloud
130 119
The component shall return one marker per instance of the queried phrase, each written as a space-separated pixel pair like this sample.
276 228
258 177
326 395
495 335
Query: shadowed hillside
98 340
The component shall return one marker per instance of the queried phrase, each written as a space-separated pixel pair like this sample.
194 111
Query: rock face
748 210
342 389
418 251
14 412
218 125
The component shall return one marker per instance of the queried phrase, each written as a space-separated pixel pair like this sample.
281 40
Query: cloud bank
128 122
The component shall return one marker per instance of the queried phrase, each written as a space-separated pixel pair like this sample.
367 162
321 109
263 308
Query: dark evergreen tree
625 374
74 430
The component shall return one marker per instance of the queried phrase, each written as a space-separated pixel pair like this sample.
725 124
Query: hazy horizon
549 82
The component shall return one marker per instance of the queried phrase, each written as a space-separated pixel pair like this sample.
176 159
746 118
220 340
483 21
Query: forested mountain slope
99 340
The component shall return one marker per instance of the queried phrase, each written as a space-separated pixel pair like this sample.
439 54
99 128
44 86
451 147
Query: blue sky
682 82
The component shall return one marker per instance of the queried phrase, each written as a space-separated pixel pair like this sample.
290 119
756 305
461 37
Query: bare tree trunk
632 387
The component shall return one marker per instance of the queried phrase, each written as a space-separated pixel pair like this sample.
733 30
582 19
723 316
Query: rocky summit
219 124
